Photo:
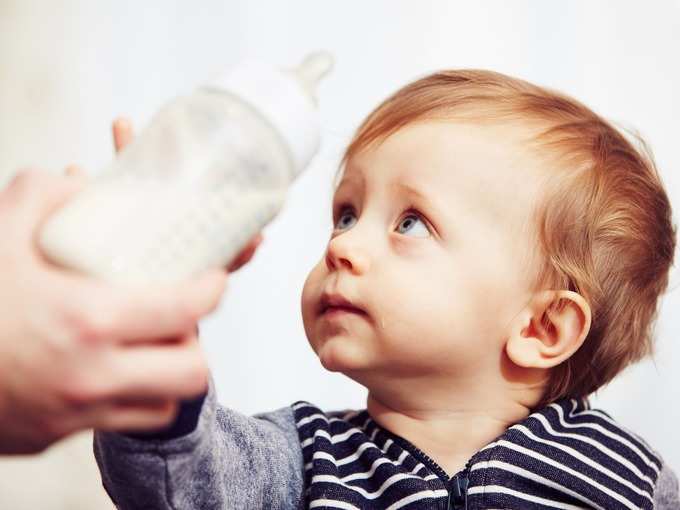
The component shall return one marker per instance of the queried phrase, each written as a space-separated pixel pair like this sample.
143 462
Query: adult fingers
168 371
128 416
122 133
100 312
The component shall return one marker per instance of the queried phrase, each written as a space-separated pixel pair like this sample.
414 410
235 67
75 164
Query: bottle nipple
310 71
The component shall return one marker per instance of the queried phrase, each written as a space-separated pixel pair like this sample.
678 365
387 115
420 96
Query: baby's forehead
469 168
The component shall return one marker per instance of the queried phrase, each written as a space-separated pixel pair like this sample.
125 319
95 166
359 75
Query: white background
67 68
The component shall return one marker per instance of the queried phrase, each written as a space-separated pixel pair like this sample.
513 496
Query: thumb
34 195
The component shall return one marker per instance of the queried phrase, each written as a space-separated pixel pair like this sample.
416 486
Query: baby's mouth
338 309
332 305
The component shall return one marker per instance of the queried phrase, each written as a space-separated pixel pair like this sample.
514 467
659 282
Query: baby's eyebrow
410 190
431 204
427 199
399 186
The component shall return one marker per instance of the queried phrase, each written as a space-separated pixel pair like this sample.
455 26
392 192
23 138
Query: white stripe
310 440
332 503
349 415
317 416
606 432
367 474
301 405
567 469
368 495
440 493
334 439
343 436
527 497
585 439
531 476
311 418
350 458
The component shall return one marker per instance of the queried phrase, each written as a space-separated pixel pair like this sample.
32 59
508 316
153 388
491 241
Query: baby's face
429 240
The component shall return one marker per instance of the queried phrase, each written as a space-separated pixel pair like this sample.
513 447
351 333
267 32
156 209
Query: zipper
456 486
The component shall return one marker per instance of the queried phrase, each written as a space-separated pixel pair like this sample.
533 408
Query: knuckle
77 393
197 376
24 180
88 328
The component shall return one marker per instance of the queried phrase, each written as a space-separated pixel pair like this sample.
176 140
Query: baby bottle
206 175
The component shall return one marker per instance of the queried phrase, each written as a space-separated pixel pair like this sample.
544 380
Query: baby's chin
341 354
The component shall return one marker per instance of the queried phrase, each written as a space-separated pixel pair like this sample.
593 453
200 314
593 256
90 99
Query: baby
497 255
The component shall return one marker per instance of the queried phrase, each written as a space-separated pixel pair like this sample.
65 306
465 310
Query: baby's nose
345 253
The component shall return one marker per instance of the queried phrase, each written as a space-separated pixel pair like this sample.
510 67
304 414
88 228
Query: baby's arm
666 495
228 461
213 457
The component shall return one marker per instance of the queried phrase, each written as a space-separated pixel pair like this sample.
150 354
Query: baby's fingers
245 255
122 132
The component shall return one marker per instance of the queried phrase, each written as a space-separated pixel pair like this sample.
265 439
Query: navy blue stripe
599 456
597 416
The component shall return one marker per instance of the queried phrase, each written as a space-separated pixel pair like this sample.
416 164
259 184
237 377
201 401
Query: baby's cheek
309 299
309 289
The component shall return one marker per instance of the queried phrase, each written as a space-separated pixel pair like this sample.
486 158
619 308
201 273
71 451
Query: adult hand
76 352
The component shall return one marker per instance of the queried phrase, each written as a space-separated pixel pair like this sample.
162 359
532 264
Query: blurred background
67 68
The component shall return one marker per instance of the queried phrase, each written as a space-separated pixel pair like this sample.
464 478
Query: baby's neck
450 433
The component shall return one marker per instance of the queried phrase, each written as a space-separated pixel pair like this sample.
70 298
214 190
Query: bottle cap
285 98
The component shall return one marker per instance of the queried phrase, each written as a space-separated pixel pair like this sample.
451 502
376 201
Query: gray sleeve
666 495
230 461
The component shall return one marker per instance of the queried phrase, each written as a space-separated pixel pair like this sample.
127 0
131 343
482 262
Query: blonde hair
604 225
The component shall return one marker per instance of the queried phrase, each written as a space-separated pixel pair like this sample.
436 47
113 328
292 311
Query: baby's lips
336 300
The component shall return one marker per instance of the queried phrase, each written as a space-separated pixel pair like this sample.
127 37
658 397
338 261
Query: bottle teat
286 99
310 71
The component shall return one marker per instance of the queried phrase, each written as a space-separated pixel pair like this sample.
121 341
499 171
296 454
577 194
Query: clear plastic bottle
207 174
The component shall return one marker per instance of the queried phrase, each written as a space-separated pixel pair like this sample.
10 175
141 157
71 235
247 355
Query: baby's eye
413 219
342 219
347 219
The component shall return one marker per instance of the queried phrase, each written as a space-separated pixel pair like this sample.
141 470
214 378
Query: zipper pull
459 493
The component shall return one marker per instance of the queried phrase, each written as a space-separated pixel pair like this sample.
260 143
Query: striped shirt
297 457
565 456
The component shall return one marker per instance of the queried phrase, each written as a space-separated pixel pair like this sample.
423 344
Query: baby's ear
549 329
